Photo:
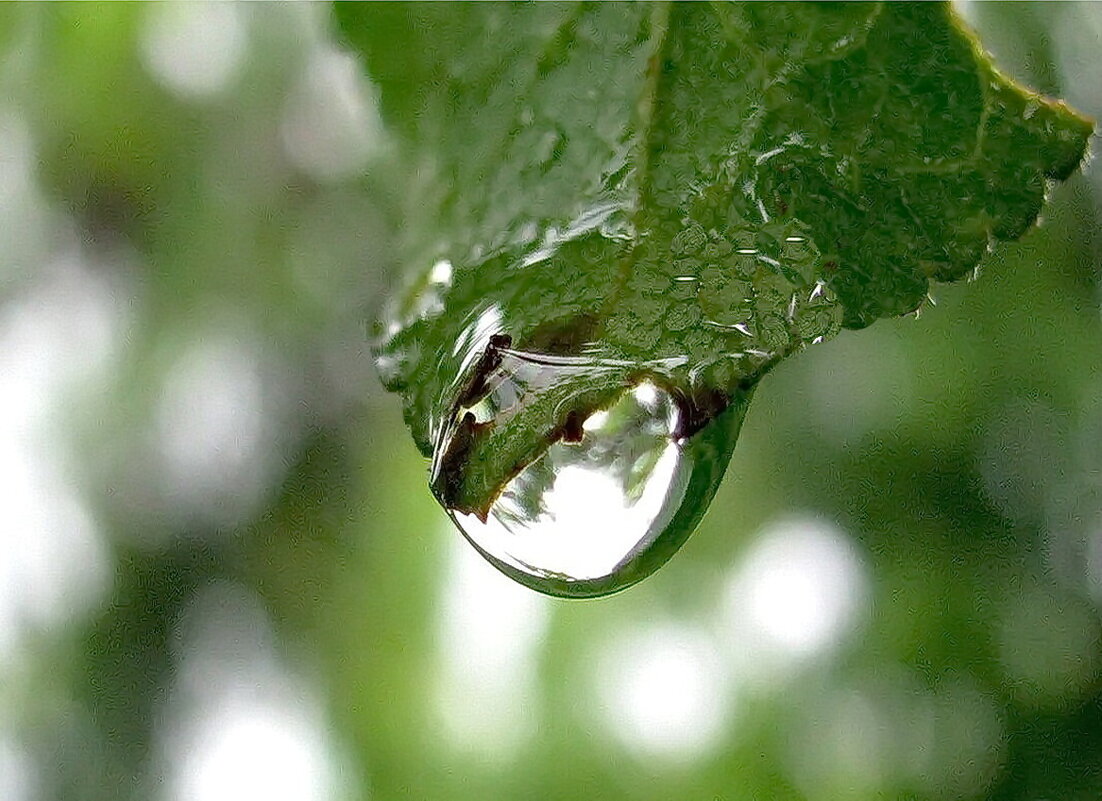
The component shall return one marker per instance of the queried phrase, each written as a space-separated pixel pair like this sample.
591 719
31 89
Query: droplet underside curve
572 521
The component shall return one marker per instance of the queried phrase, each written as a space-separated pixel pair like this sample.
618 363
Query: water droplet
611 500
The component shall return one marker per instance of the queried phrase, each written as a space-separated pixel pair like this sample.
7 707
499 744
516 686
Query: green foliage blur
222 575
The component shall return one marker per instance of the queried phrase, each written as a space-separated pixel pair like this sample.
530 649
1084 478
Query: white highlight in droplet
588 528
441 272
595 421
647 394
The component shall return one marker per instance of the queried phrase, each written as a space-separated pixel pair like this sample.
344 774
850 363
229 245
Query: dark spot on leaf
572 430
488 362
447 483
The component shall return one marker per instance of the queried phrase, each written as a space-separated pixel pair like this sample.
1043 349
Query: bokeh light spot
331 125
489 636
662 691
239 723
18 779
195 50
55 340
797 590
215 428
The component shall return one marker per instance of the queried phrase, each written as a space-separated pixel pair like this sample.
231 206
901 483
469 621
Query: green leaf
682 193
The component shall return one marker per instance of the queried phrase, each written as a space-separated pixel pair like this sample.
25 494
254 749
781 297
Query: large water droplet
608 504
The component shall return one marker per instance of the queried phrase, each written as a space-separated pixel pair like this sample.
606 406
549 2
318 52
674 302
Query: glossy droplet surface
584 509
591 516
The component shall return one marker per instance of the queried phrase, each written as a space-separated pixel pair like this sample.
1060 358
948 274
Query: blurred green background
222 575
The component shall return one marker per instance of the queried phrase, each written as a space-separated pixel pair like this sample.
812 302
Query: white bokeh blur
797 592
489 638
178 426
195 50
662 690
331 126
671 689
58 340
18 773
216 426
239 723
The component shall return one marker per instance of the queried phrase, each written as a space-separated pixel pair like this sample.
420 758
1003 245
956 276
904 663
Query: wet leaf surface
684 194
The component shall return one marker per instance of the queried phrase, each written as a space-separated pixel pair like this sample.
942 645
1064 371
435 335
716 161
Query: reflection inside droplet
584 510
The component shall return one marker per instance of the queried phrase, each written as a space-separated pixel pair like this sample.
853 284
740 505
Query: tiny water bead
604 506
